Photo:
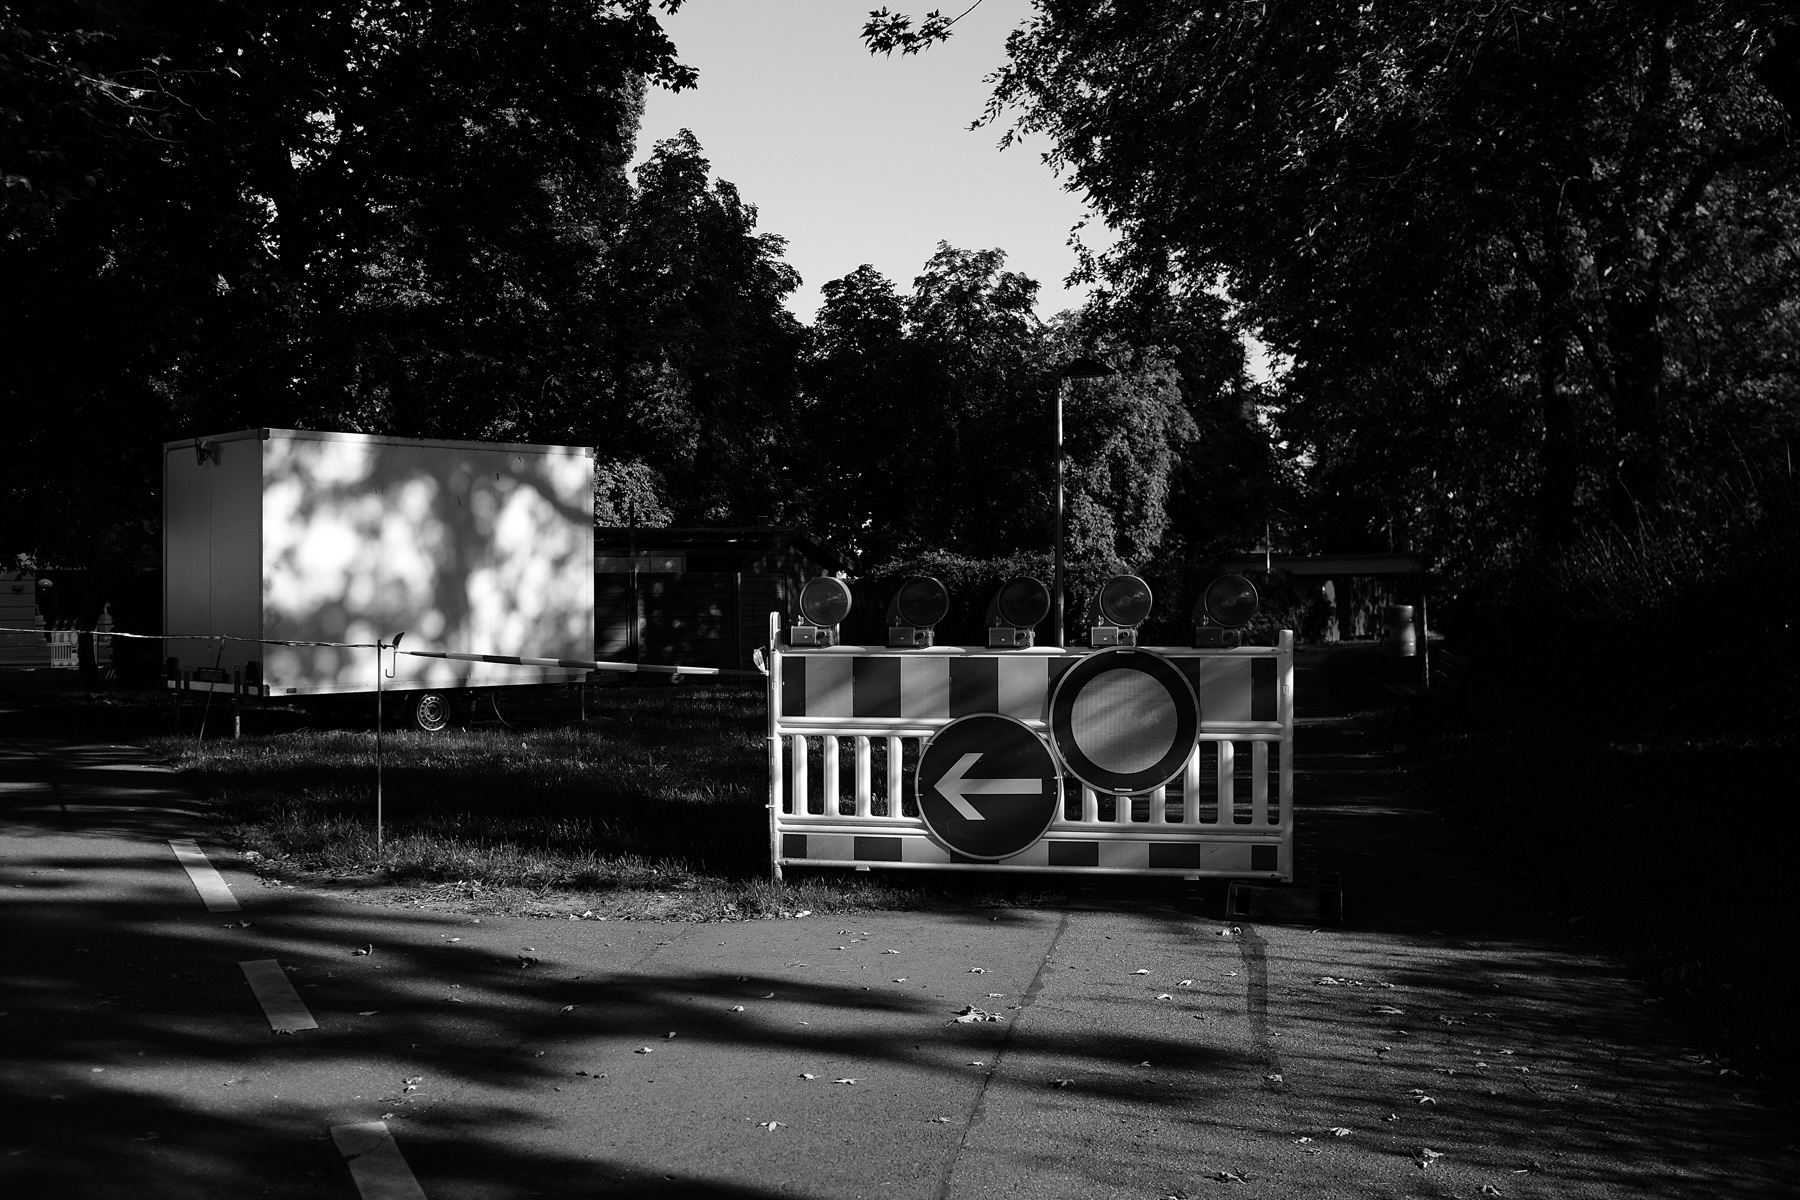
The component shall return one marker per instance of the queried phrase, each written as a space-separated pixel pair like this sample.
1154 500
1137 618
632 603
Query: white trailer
282 536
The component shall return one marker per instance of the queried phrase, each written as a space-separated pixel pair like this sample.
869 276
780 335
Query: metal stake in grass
379 672
201 736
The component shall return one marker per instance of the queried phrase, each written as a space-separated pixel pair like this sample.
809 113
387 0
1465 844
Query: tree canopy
379 216
1524 260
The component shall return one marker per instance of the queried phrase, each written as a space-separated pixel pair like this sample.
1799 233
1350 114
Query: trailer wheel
431 711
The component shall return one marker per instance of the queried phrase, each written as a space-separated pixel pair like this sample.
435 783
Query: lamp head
1118 608
1014 612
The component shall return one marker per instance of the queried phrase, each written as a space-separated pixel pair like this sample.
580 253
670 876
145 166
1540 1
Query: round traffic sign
1124 720
988 787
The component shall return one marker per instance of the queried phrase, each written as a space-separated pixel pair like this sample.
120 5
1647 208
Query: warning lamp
1014 612
1118 608
823 603
1223 609
920 603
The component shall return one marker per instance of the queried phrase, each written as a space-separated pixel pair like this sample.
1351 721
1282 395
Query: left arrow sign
956 787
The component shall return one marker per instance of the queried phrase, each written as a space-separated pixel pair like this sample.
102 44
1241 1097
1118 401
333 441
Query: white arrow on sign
956 787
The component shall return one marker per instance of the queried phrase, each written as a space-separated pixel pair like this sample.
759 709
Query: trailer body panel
292 537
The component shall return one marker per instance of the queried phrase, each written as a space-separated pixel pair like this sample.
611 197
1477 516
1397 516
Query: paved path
1448 1042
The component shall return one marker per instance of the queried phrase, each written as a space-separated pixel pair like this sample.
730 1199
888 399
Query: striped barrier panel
848 725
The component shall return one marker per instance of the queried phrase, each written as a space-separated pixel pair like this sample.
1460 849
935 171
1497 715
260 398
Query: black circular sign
988 787
1124 720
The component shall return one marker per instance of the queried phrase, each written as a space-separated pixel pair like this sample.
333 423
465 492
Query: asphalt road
1453 1039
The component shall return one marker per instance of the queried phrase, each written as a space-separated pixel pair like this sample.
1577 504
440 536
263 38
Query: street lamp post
1077 368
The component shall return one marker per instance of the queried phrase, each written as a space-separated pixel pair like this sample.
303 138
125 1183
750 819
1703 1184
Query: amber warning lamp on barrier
1118 608
1227 604
1014 612
919 605
823 603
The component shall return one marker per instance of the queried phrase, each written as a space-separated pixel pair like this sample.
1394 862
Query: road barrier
1154 760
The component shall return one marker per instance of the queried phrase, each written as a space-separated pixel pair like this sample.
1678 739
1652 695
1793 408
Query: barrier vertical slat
1284 711
1227 782
830 786
802 802
1190 789
864 803
1090 806
895 790
1259 783
774 746
1159 806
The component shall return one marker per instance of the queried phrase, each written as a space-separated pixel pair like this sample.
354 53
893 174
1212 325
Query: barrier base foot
1321 901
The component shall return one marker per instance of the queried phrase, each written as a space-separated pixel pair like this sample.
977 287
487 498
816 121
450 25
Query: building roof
744 543
1328 564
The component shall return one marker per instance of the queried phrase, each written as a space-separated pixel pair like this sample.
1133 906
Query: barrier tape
197 637
579 663
451 655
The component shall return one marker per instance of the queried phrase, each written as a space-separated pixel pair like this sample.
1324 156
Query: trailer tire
430 711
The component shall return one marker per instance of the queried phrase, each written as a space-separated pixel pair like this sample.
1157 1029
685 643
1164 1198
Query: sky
867 159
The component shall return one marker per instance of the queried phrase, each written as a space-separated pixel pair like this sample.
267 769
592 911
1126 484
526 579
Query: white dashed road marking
375 1163
213 893
280 1002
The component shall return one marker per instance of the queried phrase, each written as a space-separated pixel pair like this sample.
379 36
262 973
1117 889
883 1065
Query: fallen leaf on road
843 1081
1425 1157
369 949
525 960
1165 996
1391 1117
972 1015
1273 1078
1061 1083
978 970
1338 1131
978 1063
567 1008
1145 1063
1231 1177
1389 1009
644 1050
807 1075
737 1008
1141 971
890 952
1185 983
902 979
668 1035
941 1120
1301 1141
1488 1189
770 996
996 995
369 1013
771 1126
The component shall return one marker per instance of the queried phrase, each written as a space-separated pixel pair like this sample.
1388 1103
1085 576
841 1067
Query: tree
1457 223
705 356
389 217
858 381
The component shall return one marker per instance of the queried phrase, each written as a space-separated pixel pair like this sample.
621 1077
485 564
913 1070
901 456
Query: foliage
630 492
387 217
909 397
704 359
1475 232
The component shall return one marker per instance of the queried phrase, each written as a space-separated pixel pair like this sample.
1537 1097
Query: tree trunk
1556 485
1637 485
